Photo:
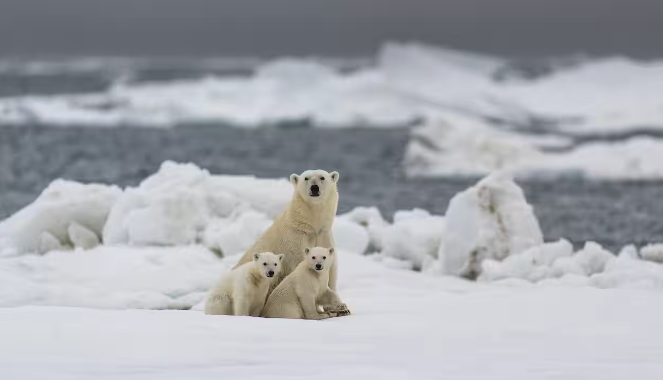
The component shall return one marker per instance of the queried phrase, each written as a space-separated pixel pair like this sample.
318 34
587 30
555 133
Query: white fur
306 289
306 222
243 291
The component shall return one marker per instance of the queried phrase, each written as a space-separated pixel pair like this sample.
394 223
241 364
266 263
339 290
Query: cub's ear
331 251
281 257
335 176
294 178
256 256
307 250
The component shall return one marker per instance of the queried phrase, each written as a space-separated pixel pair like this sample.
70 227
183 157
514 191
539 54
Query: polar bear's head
319 258
268 263
315 185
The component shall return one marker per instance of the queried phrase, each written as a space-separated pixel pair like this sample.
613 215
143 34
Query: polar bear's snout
314 191
318 266
270 273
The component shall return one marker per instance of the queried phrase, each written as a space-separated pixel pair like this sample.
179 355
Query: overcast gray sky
328 27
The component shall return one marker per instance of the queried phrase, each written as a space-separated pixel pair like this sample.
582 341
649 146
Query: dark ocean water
614 214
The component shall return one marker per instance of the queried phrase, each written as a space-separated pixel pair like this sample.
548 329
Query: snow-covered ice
555 264
371 219
415 236
491 220
176 206
458 146
49 219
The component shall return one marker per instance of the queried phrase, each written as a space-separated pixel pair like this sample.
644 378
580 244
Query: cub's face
319 258
315 185
268 263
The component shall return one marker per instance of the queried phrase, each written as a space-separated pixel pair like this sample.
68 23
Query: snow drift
555 264
182 204
415 236
64 211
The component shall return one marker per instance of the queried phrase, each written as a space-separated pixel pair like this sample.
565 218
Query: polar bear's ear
294 178
281 257
256 256
306 250
331 251
335 176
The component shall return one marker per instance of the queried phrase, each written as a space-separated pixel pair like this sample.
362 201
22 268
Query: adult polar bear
306 222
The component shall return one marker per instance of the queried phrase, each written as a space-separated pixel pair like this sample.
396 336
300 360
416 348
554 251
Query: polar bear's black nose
270 273
318 266
315 190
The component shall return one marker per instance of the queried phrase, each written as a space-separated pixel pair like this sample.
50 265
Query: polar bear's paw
340 310
343 310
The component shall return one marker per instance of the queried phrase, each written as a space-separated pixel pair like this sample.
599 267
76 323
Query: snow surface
404 326
111 278
473 122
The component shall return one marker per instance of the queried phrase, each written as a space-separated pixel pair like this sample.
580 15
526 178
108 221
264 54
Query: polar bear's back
220 299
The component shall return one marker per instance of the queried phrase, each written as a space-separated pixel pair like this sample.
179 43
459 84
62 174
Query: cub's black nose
315 190
270 273
318 266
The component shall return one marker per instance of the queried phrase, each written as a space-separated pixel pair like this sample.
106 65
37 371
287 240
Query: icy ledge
458 145
158 245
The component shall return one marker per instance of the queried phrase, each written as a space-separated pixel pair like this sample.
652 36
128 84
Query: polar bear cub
243 290
306 289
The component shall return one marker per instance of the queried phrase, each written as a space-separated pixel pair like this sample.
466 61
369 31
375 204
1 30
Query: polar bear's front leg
333 273
310 309
330 301
325 239
241 304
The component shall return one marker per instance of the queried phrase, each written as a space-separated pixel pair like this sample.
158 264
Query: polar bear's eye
313 257
324 257
265 264
322 178
305 178
275 265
